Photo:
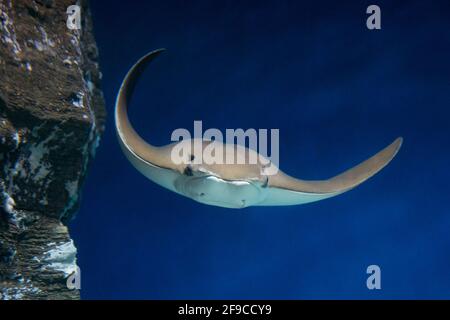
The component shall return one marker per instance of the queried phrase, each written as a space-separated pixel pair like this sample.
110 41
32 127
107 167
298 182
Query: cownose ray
229 185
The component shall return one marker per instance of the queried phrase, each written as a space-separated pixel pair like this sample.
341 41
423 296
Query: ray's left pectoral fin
285 190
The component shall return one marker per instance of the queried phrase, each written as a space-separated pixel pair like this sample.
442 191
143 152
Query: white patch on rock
45 39
75 40
78 101
45 43
10 294
16 138
38 45
62 258
24 289
67 61
7 32
38 167
8 203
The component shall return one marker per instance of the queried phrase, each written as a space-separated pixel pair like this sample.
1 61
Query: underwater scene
224 150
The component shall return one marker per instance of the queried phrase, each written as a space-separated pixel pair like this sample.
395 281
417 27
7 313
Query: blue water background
338 93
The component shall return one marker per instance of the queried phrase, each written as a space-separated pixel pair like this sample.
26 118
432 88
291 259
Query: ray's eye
202 194
188 171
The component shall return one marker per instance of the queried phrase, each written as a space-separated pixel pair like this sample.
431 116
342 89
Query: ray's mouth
224 204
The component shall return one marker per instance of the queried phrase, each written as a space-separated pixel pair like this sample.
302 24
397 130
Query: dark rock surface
51 118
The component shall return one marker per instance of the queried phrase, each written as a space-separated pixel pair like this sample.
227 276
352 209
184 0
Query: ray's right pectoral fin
285 190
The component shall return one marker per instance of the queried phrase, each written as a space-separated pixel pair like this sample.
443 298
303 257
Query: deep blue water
338 93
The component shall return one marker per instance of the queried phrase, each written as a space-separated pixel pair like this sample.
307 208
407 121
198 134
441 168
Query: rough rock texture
51 117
